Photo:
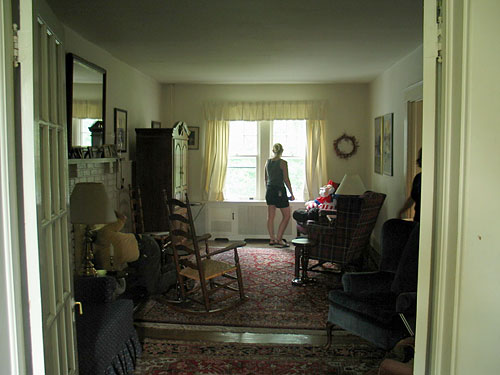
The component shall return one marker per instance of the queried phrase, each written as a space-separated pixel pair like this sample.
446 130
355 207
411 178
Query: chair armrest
231 246
94 289
203 237
365 283
406 303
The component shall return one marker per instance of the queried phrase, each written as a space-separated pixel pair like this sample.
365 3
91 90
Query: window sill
259 201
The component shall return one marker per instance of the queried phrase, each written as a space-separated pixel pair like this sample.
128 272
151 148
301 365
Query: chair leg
329 329
298 257
240 281
205 294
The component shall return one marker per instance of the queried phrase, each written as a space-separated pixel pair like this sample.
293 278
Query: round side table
302 246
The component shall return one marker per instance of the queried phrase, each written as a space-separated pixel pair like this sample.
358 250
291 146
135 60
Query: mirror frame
70 59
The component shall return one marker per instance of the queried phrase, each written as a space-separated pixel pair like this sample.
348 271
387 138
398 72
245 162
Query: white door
53 226
45 179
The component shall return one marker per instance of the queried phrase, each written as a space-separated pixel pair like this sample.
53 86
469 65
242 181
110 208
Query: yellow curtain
316 174
218 115
87 109
216 150
261 111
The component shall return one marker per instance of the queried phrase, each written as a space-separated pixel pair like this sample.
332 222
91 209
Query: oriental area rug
348 355
272 300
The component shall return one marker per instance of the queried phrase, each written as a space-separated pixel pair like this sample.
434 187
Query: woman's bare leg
271 213
285 212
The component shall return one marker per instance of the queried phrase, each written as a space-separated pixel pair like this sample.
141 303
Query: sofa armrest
406 303
94 289
363 284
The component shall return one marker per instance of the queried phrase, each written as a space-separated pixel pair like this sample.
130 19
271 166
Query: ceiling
250 41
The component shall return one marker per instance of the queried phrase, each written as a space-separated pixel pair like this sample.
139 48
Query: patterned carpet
349 355
272 300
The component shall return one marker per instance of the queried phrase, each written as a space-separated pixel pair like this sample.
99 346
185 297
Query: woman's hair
277 149
419 158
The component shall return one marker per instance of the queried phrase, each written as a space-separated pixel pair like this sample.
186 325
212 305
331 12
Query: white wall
347 111
387 94
126 88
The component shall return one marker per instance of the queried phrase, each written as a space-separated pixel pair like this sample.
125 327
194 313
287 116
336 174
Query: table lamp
351 185
90 205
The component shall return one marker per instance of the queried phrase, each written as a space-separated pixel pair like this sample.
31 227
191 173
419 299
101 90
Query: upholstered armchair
106 338
381 306
344 240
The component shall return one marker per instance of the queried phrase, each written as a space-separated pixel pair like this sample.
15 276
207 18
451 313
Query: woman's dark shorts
276 196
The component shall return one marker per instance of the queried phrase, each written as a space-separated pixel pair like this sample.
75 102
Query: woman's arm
284 167
265 172
408 203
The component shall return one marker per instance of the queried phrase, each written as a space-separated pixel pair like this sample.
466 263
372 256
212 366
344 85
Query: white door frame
12 353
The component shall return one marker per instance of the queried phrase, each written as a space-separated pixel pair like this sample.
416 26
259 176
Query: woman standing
414 197
276 197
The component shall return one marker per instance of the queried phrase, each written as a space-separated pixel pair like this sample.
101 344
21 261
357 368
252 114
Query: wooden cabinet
161 163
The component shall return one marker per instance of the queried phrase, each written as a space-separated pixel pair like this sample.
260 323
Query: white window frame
264 145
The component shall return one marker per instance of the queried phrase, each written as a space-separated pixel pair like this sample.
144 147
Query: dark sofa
371 302
106 338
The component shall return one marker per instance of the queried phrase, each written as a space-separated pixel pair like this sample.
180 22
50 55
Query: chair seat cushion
211 268
380 307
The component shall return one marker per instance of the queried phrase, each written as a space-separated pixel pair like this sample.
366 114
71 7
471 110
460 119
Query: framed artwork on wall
121 130
155 124
193 140
387 144
378 145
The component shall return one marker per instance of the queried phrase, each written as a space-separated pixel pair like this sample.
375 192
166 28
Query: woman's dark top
415 195
275 189
274 173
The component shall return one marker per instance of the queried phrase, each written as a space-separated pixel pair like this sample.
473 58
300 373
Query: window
241 174
250 143
82 135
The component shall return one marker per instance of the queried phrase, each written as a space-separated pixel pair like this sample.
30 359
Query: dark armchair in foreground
371 303
106 337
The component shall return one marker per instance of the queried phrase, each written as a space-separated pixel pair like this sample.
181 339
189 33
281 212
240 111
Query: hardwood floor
229 334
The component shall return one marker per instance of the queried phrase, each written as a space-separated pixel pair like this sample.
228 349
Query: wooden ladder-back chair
211 276
138 216
137 213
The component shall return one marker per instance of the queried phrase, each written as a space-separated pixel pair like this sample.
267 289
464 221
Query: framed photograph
95 152
109 151
155 124
77 152
193 140
121 130
387 144
378 145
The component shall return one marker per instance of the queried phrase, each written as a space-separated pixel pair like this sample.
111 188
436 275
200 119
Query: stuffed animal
325 199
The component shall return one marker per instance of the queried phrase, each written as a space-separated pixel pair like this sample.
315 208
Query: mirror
86 103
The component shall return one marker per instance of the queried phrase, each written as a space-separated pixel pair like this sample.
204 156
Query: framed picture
109 151
387 144
193 140
155 124
378 145
121 130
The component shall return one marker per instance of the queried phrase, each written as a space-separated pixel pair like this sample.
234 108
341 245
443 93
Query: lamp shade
351 185
89 204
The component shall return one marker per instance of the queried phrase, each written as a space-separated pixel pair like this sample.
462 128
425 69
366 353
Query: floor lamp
90 205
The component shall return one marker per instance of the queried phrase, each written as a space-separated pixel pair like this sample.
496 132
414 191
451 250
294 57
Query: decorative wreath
349 139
